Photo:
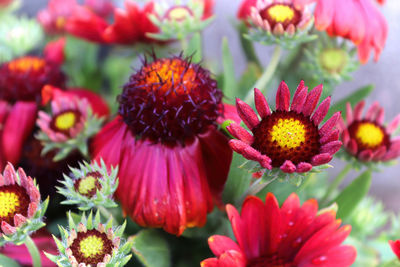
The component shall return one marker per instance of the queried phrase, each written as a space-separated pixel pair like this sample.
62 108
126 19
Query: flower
292 235
68 128
54 18
357 20
395 245
367 138
21 210
244 10
21 82
92 185
103 8
167 126
288 137
91 243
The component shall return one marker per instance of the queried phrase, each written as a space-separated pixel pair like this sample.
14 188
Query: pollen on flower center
368 135
281 13
26 63
88 185
8 203
13 199
178 13
64 121
91 246
284 14
288 133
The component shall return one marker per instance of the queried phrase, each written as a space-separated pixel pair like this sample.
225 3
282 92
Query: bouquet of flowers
133 147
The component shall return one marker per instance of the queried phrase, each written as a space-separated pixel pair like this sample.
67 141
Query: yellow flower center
91 246
87 184
370 134
333 60
26 63
8 203
60 23
288 133
281 13
179 13
65 121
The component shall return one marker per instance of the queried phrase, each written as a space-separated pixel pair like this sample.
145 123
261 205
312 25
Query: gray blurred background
385 74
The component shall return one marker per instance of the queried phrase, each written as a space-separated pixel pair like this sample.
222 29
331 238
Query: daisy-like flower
91 243
366 138
287 138
167 127
21 210
292 235
21 82
69 127
92 185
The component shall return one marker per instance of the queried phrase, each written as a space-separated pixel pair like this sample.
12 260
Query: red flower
357 20
289 137
103 8
367 138
54 51
208 9
21 82
292 235
244 11
395 245
54 18
173 162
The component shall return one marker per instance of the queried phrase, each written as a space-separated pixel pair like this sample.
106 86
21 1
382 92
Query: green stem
254 189
33 250
269 71
338 180
106 213
184 45
247 45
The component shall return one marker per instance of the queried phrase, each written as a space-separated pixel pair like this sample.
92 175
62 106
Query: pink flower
54 18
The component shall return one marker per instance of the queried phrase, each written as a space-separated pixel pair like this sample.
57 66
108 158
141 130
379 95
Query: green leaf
151 249
249 78
247 45
352 195
353 98
6 261
195 48
230 86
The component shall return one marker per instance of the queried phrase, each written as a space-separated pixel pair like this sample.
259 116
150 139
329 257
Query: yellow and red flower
288 138
167 127
292 235
367 138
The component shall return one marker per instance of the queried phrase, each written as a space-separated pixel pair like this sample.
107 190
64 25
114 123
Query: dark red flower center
285 14
13 200
64 121
170 100
269 261
88 185
287 135
368 135
91 246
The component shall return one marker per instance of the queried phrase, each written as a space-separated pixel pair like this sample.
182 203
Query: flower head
292 235
55 16
366 138
21 210
288 138
92 185
91 243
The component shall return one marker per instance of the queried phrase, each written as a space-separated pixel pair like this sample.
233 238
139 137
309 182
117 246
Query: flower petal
312 100
288 167
321 111
261 104
321 159
247 114
299 97
283 97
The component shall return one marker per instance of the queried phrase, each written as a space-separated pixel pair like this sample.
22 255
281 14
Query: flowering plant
154 147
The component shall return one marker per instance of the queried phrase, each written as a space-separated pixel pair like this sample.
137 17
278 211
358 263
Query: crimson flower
395 245
367 138
244 10
292 235
173 161
289 137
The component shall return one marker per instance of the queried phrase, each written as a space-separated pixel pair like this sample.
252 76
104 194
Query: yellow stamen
281 13
179 13
8 203
65 121
370 134
60 23
86 185
26 63
288 133
91 246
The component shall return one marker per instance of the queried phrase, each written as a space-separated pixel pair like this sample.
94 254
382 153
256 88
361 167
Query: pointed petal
312 100
10 177
247 114
7 229
352 147
372 111
380 116
321 111
283 97
321 159
358 109
379 153
303 167
393 125
240 133
331 147
299 98
329 124
19 220
349 113
261 104
288 167
332 136
366 155
219 244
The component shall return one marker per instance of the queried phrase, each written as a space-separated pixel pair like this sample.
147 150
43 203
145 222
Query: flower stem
184 44
33 250
254 188
107 214
338 180
266 76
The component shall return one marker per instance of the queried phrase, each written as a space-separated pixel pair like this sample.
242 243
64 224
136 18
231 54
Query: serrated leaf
151 249
230 85
6 261
351 196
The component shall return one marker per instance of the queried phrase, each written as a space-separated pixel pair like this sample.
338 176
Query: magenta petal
349 113
331 147
380 116
358 109
329 124
393 125
247 114
372 111
345 137
321 159
332 136
303 167
312 100
265 162
288 167
352 147
299 98
379 153
261 104
366 155
7 229
321 111
244 149
283 97
230 113
240 133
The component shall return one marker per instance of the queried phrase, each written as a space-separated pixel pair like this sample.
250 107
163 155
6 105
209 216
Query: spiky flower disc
288 138
92 185
170 100
21 210
68 128
91 243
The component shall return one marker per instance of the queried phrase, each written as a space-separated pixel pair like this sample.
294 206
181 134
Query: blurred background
385 74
